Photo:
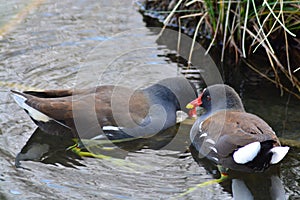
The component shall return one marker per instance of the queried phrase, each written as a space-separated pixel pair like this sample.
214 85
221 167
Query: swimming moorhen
229 136
117 111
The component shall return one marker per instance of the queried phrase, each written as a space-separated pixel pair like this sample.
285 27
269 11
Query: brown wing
50 93
62 93
120 106
110 105
233 129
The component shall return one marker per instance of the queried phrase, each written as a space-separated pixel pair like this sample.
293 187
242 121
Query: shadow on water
57 149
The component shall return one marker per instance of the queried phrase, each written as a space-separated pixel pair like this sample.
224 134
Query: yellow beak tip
190 106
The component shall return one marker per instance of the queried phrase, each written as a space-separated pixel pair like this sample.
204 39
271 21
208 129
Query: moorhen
117 111
229 136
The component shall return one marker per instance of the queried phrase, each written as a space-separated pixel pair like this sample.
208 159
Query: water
66 44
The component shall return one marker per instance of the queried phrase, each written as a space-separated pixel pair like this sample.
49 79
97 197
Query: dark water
66 44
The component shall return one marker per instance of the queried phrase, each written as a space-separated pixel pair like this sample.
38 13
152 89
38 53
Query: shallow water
66 44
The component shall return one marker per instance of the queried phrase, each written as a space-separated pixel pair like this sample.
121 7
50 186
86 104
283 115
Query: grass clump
245 28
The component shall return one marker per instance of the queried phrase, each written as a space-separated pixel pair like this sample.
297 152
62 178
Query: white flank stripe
246 153
99 137
214 149
210 141
200 126
216 159
111 128
203 135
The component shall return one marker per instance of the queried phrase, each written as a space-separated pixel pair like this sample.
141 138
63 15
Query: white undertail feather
35 114
200 126
111 128
278 154
247 153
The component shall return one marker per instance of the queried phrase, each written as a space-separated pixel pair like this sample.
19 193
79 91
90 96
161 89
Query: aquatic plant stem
265 36
273 81
194 38
231 22
225 30
179 23
167 20
244 30
286 46
272 57
214 38
277 19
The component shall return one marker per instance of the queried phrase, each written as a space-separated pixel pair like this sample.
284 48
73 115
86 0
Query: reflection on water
46 51
55 150
269 187
49 149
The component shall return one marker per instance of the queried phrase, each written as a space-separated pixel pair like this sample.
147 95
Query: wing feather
234 129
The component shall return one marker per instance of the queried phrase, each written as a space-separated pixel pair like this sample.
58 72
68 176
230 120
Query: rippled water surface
78 43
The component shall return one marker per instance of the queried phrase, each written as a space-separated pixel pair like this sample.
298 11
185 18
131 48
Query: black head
218 97
182 90
177 91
